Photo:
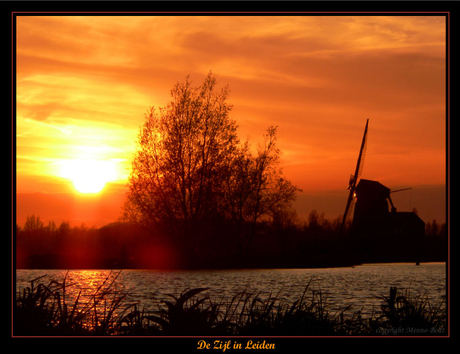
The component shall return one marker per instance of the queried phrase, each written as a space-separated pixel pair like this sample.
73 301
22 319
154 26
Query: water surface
357 288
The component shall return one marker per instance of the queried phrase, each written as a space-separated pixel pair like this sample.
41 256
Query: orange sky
84 83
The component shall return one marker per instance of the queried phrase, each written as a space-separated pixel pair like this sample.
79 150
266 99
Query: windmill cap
366 187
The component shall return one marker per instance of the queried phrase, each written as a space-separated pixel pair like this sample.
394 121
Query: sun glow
89 176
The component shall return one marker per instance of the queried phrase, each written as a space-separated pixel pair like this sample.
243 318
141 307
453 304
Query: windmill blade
348 207
354 178
351 208
351 181
360 167
362 154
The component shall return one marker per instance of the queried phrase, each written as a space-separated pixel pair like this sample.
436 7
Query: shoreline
241 268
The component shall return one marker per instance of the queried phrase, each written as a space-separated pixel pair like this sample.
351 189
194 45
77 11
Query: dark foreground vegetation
281 243
44 310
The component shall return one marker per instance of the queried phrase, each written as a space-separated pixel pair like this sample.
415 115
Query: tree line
281 240
284 241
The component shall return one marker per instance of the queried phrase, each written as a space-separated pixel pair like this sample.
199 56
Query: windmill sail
354 178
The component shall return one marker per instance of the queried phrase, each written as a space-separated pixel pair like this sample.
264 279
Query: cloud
84 82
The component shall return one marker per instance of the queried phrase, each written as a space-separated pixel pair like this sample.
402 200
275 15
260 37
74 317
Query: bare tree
184 151
269 189
190 168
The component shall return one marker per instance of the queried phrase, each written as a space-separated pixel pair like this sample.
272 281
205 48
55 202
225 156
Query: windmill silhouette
375 218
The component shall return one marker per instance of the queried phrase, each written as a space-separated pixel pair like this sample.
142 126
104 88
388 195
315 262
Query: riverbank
55 261
127 246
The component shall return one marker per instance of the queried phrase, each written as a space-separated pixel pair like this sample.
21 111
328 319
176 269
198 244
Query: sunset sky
84 83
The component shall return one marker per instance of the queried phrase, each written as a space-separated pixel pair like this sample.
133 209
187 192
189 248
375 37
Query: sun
88 176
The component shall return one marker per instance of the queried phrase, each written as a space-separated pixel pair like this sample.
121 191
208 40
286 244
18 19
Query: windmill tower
376 223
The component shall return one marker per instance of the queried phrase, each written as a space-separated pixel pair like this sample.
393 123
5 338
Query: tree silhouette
190 169
260 190
33 224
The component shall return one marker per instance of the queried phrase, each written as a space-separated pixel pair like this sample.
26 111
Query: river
357 288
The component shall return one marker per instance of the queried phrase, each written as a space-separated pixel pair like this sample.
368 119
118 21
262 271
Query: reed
44 309
414 314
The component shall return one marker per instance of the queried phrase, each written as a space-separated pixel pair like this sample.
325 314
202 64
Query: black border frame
10 9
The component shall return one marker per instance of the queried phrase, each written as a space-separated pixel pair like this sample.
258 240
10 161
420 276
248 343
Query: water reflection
358 288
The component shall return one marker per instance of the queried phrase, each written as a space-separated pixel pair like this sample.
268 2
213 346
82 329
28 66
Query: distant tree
191 170
318 226
285 223
64 229
443 230
336 225
51 227
33 224
433 229
315 220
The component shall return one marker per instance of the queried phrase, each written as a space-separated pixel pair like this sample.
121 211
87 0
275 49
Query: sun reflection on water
359 287
94 296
